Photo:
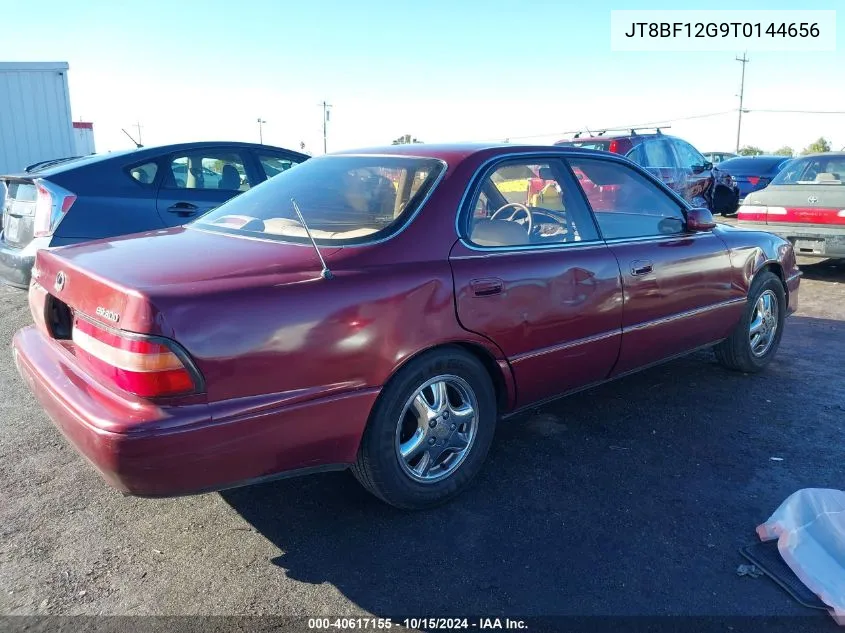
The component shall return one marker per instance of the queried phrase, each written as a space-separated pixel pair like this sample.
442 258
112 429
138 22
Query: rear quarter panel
297 341
109 203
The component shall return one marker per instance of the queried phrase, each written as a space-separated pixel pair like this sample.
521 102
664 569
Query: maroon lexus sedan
381 310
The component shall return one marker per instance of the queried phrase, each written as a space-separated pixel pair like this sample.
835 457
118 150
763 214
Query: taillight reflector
51 204
141 366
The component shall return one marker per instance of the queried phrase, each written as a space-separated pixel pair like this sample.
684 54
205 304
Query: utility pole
326 107
261 130
744 60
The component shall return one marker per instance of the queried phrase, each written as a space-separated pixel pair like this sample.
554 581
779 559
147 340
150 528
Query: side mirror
698 169
699 220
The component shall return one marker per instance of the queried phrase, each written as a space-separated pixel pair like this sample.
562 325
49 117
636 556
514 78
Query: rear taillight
754 180
145 366
614 147
755 213
51 204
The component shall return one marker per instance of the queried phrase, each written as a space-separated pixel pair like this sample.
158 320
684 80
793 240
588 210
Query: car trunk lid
123 282
797 204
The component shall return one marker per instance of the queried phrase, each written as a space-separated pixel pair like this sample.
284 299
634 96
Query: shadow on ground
826 270
631 498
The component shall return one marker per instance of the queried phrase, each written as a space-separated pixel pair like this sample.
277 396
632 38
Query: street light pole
326 107
260 130
744 61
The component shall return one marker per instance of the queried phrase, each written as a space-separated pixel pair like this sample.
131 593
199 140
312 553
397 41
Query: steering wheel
517 209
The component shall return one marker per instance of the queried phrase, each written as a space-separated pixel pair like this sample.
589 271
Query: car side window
145 174
626 204
688 156
658 154
207 170
529 202
275 164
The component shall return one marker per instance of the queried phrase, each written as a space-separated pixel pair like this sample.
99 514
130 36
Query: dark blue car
752 173
67 201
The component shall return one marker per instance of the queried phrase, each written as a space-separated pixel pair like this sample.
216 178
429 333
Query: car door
677 285
196 181
695 176
550 298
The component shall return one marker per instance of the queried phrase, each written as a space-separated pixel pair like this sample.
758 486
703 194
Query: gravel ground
631 498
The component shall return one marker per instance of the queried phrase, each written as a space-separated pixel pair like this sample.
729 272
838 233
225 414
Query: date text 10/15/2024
480 624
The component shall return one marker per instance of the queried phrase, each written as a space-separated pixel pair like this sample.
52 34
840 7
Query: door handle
640 267
486 287
183 209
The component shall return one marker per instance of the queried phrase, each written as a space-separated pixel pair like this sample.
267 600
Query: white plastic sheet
810 530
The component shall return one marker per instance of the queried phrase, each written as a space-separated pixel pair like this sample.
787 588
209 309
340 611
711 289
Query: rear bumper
16 263
808 241
150 450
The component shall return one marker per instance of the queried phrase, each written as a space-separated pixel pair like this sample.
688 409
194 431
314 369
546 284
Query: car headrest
229 178
826 176
498 233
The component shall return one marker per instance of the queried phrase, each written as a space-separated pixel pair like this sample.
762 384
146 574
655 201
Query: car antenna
325 273
137 144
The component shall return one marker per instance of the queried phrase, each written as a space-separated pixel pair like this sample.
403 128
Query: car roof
820 154
456 152
147 152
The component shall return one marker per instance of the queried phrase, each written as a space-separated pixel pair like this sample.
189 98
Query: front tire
756 338
429 432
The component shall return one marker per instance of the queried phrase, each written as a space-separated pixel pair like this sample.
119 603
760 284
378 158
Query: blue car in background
752 173
71 200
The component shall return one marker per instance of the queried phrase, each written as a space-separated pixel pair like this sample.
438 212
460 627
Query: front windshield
813 170
343 199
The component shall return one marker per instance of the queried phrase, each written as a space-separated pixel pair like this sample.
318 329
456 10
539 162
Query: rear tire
429 432
756 338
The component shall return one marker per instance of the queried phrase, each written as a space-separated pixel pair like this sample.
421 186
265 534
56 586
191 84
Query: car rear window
343 200
813 170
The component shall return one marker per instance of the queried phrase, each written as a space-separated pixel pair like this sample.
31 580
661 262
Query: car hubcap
764 324
437 427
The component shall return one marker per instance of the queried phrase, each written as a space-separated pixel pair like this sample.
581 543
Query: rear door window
658 154
637 155
207 170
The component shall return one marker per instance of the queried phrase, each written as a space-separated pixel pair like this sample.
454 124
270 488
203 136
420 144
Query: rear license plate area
809 247
11 232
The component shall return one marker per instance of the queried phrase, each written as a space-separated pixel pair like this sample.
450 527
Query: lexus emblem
60 281
812 200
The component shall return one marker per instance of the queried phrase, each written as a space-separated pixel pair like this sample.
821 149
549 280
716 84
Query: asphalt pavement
629 499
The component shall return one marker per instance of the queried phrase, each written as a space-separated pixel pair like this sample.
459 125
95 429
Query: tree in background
405 139
786 150
819 146
750 150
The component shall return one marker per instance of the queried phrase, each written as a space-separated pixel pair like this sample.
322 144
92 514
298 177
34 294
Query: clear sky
441 70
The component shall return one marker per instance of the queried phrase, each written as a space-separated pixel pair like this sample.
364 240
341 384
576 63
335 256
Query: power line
800 111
